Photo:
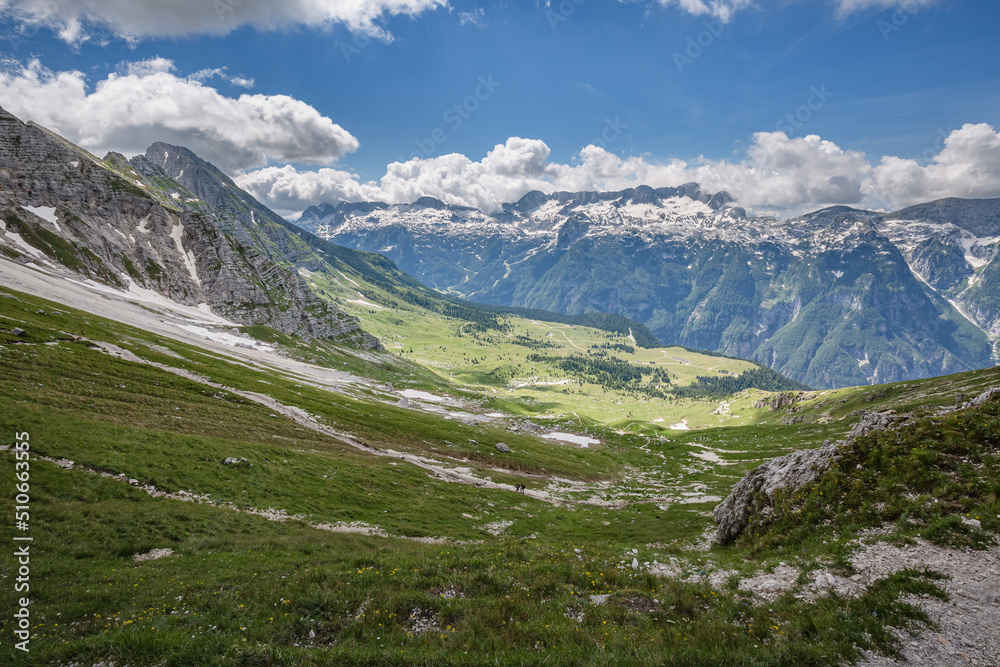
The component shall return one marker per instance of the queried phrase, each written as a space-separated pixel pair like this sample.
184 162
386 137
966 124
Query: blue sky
648 83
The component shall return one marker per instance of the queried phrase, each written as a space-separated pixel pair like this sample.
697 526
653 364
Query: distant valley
834 298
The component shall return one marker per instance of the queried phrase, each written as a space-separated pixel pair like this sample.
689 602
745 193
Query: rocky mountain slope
834 298
135 229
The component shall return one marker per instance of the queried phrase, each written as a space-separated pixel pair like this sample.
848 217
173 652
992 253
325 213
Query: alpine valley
833 298
233 442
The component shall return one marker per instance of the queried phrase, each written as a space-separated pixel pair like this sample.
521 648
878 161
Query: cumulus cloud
286 189
778 175
967 166
149 102
136 19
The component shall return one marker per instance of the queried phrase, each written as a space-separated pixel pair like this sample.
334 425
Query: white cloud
778 175
148 102
848 7
724 10
968 166
476 17
136 19
287 190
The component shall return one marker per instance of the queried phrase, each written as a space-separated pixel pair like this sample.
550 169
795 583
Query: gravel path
968 622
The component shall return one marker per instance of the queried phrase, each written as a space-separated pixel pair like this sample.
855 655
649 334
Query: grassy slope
249 591
489 363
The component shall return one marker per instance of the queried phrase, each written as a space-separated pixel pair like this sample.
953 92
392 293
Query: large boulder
754 494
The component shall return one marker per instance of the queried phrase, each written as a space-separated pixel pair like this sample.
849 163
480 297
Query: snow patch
47 213
188 257
581 440
422 395
366 304
348 279
711 457
226 338
23 245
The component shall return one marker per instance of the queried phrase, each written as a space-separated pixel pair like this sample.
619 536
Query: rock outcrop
756 493
779 401
143 231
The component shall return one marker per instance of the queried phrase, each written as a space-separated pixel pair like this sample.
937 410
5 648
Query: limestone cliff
131 229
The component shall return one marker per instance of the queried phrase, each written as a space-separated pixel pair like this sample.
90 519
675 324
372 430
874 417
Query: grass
243 591
496 366
511 580
925 479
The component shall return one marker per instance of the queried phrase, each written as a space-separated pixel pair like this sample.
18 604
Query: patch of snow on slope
22 244
968 241
581 440
47 213
226 338
188 257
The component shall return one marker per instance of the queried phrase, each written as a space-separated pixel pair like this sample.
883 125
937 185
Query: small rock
635 563
502 448
230 461
975 523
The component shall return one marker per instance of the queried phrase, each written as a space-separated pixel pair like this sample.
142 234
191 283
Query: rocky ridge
141 232
837 297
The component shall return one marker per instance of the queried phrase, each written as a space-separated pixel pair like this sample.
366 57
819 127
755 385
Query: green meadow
378 532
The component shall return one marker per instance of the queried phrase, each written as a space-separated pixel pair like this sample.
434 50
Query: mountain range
837 297
168 224
834 298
